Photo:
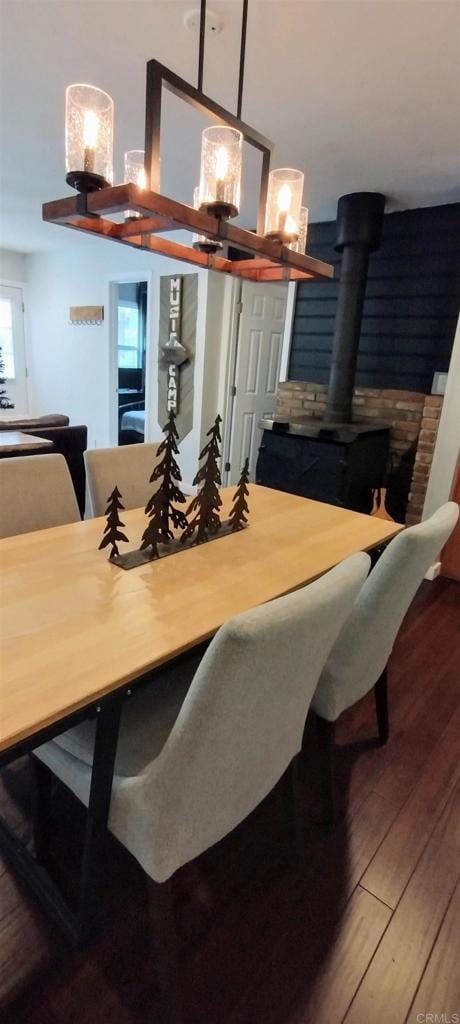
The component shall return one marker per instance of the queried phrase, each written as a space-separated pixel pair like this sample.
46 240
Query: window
129 336
6 337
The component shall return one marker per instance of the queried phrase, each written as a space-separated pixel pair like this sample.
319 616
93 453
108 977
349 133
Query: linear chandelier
276 251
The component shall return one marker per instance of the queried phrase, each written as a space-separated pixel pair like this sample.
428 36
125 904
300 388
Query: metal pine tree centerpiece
4 400
112 532
207 501
161 507
240 510
170 529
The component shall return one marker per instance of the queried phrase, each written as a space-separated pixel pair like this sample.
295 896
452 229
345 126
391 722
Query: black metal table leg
41 782
105 748
74 925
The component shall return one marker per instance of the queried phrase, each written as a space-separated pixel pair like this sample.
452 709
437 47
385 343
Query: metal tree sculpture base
132 559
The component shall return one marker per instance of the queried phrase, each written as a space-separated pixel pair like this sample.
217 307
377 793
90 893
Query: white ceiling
361 94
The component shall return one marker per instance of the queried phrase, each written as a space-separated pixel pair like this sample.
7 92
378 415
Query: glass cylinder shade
134 171
135 167
220 173
301 244
201 242
284 199
88 137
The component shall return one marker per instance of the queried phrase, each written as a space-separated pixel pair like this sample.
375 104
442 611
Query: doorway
13 347
128 358
256 365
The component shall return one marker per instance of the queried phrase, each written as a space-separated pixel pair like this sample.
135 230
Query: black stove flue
359 232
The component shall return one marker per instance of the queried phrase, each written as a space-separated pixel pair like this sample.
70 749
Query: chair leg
381 706
41 781
164 944
326 742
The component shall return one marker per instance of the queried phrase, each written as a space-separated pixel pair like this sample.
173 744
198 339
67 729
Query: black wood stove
335 459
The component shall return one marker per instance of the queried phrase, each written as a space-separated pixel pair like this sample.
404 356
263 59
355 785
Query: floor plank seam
344 1018
406 1019
375 897
438 814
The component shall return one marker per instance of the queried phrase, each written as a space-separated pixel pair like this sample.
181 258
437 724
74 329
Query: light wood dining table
77 633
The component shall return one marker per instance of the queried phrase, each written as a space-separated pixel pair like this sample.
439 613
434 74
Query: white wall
12 266
448 439
69 367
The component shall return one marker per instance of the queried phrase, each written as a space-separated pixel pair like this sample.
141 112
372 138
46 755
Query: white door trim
287 336
228 363
447 447
22 286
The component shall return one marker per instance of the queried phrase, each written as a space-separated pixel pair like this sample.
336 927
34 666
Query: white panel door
260 340
13 347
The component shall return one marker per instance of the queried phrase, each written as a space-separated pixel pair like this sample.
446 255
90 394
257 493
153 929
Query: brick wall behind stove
413 418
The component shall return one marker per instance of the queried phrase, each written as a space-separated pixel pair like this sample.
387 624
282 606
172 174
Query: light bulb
290 226
221 163
90 128
284 198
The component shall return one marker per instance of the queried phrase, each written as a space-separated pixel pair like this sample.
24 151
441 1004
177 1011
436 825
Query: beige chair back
129 467
36 492
362 649
239 727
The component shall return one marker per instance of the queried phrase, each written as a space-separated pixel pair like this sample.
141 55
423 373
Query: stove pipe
359 232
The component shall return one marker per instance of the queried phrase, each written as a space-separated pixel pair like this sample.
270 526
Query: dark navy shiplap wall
411 306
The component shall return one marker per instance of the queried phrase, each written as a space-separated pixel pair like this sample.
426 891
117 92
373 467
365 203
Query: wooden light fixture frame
269 260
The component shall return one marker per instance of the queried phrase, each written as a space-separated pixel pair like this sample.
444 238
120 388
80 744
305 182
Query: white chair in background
184 780
358 660
36 492
129 467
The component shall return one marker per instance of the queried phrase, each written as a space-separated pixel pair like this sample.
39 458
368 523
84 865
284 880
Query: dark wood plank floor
368 930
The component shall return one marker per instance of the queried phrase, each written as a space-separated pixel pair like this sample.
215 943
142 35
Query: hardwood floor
367 930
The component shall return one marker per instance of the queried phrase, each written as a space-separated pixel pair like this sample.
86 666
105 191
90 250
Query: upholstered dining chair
182 785
36 493
358 660
129 467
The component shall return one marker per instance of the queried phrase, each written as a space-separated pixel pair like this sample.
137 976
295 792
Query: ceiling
360 94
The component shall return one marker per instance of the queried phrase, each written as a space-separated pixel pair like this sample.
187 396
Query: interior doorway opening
131 323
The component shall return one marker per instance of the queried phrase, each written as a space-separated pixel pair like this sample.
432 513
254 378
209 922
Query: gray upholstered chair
184 778
129 467
35 493
358 660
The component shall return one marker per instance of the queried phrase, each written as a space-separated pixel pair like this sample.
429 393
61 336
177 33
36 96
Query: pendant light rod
244 22
201 45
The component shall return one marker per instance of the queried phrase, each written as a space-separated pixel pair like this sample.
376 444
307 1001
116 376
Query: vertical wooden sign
176 350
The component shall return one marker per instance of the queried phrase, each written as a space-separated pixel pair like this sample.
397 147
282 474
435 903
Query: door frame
113 280
23 286
233 341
